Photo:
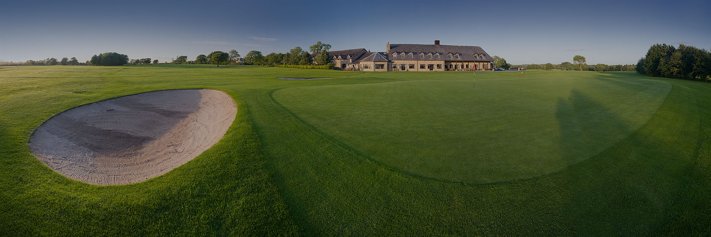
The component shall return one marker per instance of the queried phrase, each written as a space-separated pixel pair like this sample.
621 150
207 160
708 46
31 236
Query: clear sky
612 32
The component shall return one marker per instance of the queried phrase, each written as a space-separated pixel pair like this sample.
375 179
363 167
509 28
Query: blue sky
612 32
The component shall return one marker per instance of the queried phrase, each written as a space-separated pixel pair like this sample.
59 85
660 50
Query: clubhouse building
414 57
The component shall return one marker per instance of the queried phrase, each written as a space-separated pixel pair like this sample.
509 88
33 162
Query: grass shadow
583 122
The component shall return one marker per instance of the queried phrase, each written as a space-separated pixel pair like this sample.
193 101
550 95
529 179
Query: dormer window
437 55
429 55
394 55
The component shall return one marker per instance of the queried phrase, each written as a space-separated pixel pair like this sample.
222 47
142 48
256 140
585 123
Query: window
402 67
379 66
422 66
439 66
412 66
430 67
366 66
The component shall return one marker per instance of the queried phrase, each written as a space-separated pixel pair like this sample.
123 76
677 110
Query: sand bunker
133 138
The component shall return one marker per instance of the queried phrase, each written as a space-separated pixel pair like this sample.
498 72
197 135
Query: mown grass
479 132
298 162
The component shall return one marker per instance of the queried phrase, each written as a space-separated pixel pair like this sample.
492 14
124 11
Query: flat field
495 153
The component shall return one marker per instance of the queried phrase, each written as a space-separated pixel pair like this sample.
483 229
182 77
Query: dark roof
446 52
375 57
355 54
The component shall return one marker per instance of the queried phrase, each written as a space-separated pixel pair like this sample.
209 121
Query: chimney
387 47
436 42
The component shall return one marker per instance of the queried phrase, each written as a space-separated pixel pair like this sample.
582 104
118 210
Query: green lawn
534 153
479 131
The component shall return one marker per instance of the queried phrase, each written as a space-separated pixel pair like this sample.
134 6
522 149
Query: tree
143 61
64 61
702 67
657 58
600 67
73 61
320 53
181 60
305 59
109 59
685 62
234 56
548 66
254 58
691 62
219 58
580 60
275 58
567 66
94 60
201 59
52 61
673 65
295 56
155 61
500 62
322 58
319 47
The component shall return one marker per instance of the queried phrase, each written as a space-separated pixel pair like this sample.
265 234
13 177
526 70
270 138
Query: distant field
381 154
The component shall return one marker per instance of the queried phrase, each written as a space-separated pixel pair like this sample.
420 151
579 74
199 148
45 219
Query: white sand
133 138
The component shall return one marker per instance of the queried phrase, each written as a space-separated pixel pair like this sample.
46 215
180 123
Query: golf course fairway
380 154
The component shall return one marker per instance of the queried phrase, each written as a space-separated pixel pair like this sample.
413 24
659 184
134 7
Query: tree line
45 62
317 54
579 63
567 66
684 62
143 61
